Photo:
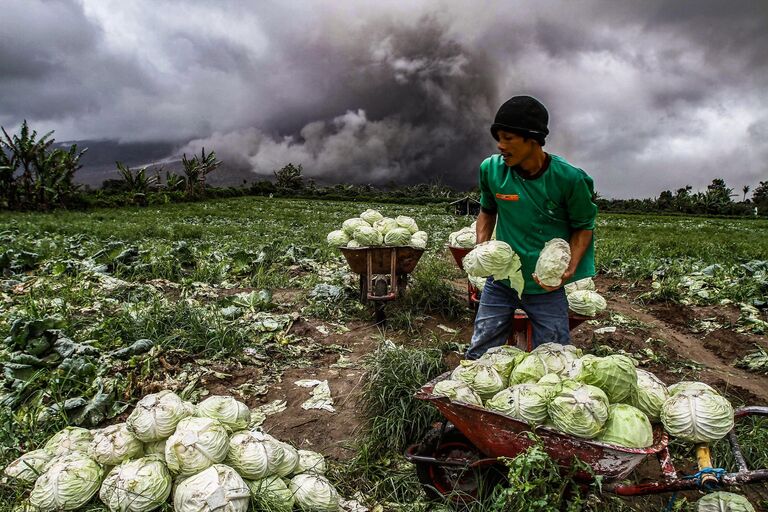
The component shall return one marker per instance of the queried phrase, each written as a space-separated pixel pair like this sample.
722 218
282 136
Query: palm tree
197 169
26 152
744 189
137 182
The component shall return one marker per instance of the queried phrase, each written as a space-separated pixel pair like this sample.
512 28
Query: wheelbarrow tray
498 435
407 258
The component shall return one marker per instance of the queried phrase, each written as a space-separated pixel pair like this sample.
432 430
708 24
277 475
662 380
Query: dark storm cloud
645 96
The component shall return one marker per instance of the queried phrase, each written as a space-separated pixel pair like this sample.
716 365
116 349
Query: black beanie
523 115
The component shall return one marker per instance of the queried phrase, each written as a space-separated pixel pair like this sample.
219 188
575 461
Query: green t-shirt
530 212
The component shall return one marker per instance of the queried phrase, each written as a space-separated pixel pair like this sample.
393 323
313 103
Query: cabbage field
243 297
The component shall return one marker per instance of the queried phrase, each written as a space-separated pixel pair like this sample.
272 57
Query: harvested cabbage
686 386
290 460
553 262
649 395
350 225
582 284
385 225
69 482
626 426
579 409
311 462
495 258
457 391
69 440
197 444
233 414
217 489
337 238
697 416
722 501
525 402
504 361
114 444
314 493
254 455
155 416
464 238
371 216
614 374
407 223
586 302
419 239
397 237
367 236
138 485
28 467
481 376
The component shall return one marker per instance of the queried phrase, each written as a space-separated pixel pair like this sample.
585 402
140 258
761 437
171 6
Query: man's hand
566 276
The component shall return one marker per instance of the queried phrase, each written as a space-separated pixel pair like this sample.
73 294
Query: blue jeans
547 313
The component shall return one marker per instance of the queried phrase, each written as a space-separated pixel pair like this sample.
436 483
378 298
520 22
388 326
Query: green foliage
394 417
289 177
196 170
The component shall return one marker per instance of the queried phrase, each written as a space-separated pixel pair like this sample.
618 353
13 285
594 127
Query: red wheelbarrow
522 332
458 459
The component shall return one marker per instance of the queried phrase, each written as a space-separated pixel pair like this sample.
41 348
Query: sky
644 96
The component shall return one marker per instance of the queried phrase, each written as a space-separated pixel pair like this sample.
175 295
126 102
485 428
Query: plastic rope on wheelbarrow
719 473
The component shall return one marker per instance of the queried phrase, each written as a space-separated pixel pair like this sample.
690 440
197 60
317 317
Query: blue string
719 473
671 503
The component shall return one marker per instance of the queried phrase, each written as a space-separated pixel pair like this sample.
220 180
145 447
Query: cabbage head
457 391
649 395
529 370
271 493
29 466
524 402
216 489
337 238
552 382
557 358
419 239
290 460
579 409
504 361
371 216
626 426
582 284
197 444
478 282
69 482
353 244
586 302
464 238
553 262
69 440
114 444
397 237
255 455
311 462
495 258
138 485
407 223
615 374
722 501
480 376
385 225
314 493
233 414
156 415
697 416
350 225
366 236
687 386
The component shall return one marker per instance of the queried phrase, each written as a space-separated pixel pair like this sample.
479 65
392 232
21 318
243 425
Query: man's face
513 147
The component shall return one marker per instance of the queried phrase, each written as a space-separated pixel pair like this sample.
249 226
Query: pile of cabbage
199 457
607 399
465 238
372 229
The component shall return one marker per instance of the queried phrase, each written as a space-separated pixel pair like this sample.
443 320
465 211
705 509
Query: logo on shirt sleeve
508 197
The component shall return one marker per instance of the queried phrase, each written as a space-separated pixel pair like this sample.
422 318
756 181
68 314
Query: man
530 197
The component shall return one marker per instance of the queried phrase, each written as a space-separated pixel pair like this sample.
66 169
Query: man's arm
579 244
484 227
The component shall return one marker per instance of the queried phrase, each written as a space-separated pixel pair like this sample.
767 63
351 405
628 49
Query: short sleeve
487 199
582 210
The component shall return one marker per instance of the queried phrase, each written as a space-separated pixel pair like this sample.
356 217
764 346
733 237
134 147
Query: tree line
36 174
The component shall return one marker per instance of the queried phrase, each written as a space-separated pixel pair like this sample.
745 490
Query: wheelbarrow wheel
460 486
